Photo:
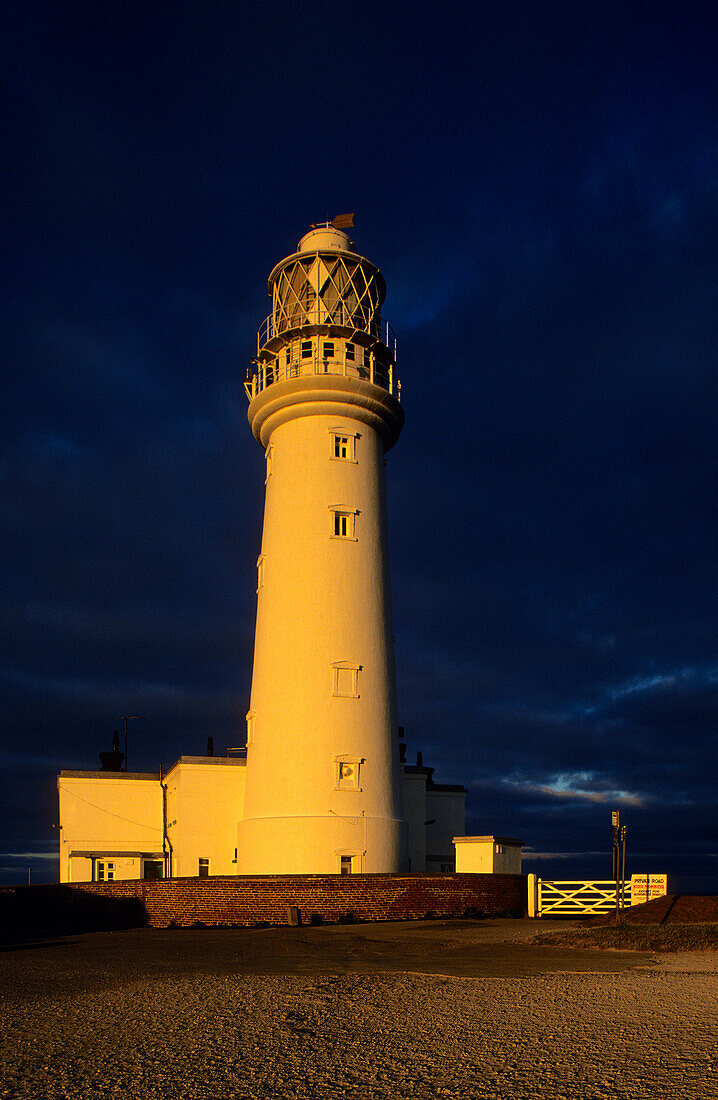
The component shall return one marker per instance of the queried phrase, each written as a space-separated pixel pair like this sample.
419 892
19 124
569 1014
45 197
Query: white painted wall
488 855
447 811
416 816
205 797
323 601
108 812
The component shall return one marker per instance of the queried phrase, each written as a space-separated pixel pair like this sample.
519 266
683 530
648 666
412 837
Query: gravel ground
647 1031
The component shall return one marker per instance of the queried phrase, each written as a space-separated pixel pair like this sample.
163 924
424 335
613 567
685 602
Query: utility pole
616 862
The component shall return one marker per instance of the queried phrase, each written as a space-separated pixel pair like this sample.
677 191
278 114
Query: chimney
112 761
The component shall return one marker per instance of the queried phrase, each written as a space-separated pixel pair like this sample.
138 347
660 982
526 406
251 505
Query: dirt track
368 1011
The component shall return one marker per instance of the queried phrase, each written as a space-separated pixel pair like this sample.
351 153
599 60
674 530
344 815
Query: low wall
251 900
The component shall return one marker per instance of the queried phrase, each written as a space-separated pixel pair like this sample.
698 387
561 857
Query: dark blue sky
539 184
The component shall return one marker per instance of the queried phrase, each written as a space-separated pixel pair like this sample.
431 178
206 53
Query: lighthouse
323 791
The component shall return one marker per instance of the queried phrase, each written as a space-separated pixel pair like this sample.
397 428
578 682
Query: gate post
533 908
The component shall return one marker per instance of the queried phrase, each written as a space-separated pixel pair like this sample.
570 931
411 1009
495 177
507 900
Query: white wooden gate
589 897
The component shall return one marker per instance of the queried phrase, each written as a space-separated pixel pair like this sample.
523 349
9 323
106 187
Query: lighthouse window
306 349
341 446
350 352
260 572
288 354
328 350
346 680
343 525
203 871
345 865
346 773
269 455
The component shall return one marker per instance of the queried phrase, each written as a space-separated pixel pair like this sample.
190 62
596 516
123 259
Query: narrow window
350 353
346 680
341 446
328 350
306 349
269 457
345 865
288 354
250 727
343 524
203 868
260 572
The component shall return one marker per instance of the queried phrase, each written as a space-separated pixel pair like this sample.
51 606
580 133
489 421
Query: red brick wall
252 900
263 899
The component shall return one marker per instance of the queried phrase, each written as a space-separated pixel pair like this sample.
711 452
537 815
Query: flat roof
109 775
233 761
95 853
486 839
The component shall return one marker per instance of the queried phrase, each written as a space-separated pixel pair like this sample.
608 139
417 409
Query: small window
328 349
343 526
105 870
346 680
306 349
203 868
260 572
288 354
341 446
350 353
269 458
346 773
345 865
250 727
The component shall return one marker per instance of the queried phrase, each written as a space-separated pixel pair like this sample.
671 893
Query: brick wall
247 901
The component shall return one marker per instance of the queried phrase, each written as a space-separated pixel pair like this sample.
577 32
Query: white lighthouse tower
323 780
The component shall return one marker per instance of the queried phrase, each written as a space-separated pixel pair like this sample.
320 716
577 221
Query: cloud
579 787
50 857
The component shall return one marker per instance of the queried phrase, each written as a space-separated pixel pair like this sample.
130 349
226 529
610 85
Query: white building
127 825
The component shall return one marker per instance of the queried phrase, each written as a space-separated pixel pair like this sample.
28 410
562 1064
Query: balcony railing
266 374
379 330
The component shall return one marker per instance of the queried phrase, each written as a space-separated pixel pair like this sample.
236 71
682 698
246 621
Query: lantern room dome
324 236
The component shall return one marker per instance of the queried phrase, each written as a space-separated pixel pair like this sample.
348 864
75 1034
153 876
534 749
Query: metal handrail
266 374
379 329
